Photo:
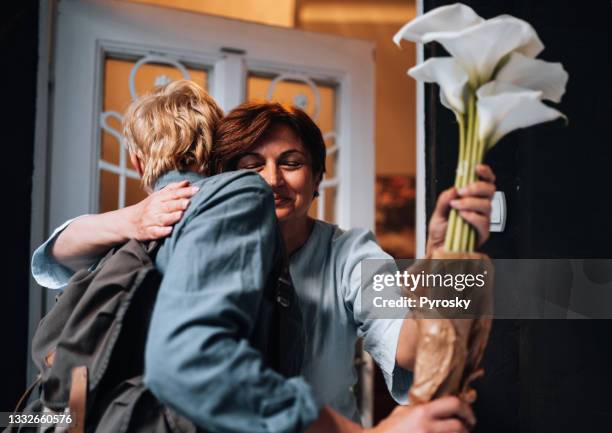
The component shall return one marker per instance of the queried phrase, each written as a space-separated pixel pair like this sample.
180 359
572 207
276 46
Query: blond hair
171 128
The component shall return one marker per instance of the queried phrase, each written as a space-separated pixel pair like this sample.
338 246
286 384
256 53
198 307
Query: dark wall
544 375
19 48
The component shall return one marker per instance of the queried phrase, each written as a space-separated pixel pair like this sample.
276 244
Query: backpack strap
151 248
26 395
286 348
78 399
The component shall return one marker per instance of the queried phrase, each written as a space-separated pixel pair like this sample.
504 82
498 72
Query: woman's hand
89 237
443 415
473 203
153 217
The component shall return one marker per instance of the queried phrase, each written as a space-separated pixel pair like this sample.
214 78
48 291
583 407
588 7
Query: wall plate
498 212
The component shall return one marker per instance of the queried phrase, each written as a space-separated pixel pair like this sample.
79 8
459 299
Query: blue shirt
326 273
201 354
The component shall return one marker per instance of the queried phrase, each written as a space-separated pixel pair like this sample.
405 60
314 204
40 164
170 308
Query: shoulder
357 243
345 249
244 188
241 180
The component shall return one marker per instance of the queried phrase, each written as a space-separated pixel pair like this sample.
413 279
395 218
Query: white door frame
420 208
119 25
66 163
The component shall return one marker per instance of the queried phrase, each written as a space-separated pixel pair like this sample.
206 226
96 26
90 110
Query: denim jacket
212 322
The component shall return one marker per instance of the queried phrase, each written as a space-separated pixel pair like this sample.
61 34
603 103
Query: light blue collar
176 176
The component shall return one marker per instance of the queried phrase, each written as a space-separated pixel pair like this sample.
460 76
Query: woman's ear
137 164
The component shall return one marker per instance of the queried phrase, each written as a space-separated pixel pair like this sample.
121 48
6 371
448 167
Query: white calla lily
448 74
503 108
449 18
550 78
480 48
492 82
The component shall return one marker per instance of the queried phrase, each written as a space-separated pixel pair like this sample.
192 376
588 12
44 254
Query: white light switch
498 212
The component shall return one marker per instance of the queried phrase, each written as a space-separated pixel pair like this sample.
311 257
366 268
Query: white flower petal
448 18
480 48
445 102
452 79
533 46
535 74
501 113
496 87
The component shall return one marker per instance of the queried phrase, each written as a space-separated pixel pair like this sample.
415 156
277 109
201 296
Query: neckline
314 233
177 176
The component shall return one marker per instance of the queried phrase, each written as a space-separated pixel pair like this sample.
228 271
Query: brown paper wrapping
449 350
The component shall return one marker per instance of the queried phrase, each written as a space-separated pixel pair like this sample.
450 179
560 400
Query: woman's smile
280 200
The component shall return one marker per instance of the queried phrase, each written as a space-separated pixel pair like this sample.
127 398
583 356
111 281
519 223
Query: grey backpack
89 349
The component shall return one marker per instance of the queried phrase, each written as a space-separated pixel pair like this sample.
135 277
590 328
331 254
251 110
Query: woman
286 148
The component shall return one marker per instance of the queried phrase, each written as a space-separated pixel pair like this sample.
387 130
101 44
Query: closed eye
292 164
250 162
254 166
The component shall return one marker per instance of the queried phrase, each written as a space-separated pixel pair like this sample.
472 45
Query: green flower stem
478 157
460 181
461 233
454 216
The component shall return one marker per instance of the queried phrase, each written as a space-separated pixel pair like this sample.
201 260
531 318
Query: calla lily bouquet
492 82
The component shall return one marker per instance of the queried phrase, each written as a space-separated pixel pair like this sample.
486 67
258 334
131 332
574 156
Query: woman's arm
406 345
474 204
87 238
444 415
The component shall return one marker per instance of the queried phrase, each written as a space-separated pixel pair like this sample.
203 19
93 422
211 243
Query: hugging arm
81 242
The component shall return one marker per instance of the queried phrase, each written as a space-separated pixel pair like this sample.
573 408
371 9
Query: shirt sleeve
198 357
380 336
47 271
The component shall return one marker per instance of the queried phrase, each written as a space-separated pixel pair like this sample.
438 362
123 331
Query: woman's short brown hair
171 128
246 125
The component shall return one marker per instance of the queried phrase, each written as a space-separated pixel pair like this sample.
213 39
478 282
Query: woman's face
285 164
